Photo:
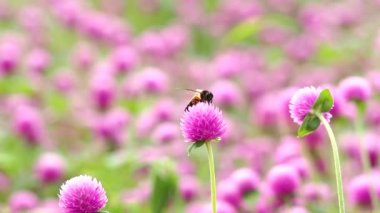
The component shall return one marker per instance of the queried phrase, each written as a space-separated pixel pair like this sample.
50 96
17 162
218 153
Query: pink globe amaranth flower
164 110
355 88
316 139
266 112
165 133
38 61
175 38
152 44
302 167
82 194
145 123
351 146
203 122
274 35
347 14
28 123
68 12
22 201
288 149
10 53
359 190
153 80
111 126
373 113
314 192
283 180
316 20
102 88
84 56
31 18
64 82
124 59
189 187
302 103
231 63
265 203
229 192
246 180
226 93
341 106
300 48
50 167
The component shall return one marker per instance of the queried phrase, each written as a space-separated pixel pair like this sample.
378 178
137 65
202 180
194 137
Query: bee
199 96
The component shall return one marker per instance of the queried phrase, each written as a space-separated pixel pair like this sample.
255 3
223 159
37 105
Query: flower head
22 201
359 190
203 122
246 180
355 88
283 180
302 103
82 194
50 167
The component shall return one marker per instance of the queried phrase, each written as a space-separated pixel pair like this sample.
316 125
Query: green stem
212 175
364 155
338 173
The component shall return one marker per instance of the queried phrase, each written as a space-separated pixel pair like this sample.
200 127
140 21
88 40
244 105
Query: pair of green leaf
311 122
198 144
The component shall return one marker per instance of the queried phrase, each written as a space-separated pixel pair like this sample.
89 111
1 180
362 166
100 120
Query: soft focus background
96 87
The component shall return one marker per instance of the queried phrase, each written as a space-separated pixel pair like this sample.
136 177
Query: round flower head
355 88
302 103
82 194
50 167
189 187
246 180
203 122
229 192
283 180
359 190
22 201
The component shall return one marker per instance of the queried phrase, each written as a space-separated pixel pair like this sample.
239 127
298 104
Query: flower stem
364 155
338 173
212 175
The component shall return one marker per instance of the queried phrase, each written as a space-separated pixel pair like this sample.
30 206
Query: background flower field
98 88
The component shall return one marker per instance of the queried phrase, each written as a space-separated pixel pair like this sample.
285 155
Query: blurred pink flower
50 168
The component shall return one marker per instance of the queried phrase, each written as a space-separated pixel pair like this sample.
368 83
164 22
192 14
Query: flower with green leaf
309 107
202 124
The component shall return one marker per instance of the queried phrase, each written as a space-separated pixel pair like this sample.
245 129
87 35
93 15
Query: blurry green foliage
164 185
243 31
58 103
143 20
15 84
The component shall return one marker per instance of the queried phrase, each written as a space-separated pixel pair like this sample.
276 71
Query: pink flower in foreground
302 103
203 122
82 194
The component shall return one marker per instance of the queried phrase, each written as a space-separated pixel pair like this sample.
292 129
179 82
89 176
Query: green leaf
243 31
310 123
325 102
194 145
164 185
